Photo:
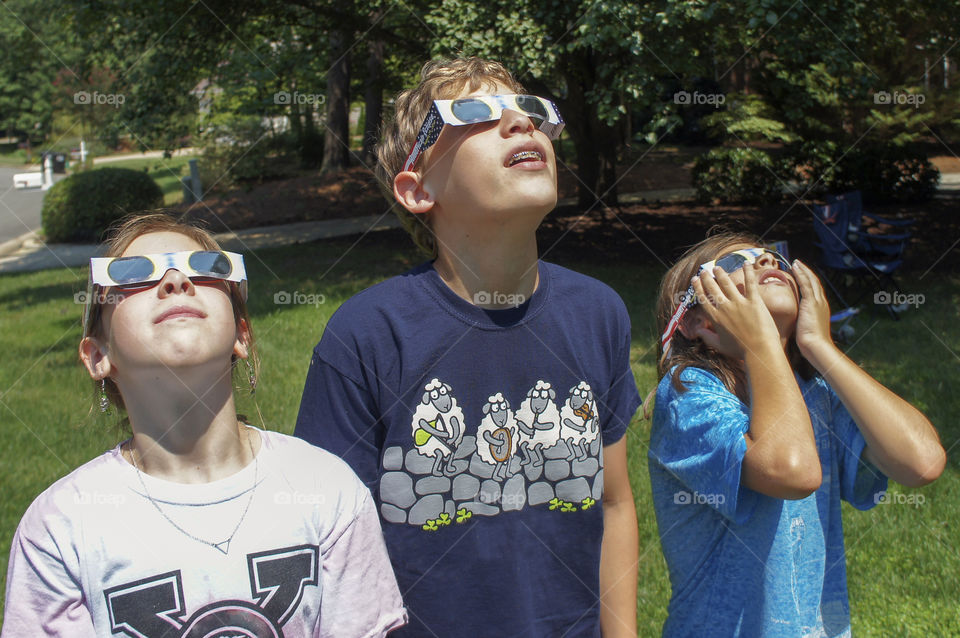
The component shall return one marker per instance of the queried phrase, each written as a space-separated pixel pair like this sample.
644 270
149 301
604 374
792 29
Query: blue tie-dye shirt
742 563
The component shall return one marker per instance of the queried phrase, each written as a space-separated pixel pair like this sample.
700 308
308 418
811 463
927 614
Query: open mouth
525 156
774 277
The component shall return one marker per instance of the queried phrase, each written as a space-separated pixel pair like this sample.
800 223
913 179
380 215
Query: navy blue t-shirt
480 434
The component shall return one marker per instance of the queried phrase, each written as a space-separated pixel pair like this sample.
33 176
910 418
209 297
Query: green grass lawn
903 559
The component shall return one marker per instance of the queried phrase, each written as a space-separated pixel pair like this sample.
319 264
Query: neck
185 430
499 261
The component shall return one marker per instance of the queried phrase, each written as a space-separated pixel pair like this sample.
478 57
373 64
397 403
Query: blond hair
119 238
440 79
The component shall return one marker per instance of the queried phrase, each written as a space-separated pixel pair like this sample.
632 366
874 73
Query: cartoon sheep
497 436
539 422
437 427
578 417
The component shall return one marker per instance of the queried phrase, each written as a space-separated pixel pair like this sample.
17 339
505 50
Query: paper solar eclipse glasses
482 108
730 262
144 271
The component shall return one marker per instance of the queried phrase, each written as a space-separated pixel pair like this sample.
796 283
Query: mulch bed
349 193
659 233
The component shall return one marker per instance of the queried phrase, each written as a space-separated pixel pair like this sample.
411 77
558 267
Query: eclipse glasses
144 271
482 108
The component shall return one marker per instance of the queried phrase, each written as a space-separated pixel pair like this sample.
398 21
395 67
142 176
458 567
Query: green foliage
887 173
813 165
36 43
82 206
736 175
747 118
243 150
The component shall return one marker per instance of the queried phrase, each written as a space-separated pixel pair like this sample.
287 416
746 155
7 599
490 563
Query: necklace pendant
223 546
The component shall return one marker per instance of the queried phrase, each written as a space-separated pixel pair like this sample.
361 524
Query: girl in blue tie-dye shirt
761 427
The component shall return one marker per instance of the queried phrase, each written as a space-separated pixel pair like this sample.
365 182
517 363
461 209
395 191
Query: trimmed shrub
883 172
82 206
812 164
736 175
887 173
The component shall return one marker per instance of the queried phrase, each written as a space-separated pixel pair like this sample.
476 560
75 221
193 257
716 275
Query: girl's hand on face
813 319
739 322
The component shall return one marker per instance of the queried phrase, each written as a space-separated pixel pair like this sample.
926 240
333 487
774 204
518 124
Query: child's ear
696 325
408 189
95 358
241 347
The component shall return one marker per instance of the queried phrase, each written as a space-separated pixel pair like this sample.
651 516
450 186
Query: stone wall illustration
410 493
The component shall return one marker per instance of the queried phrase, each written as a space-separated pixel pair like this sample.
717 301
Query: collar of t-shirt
524 311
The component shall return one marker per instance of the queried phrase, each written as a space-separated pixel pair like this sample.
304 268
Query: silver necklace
223 546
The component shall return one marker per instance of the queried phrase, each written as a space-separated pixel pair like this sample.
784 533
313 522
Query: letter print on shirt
154 606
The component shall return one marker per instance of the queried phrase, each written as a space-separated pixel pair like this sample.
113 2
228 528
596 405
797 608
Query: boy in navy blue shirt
484 395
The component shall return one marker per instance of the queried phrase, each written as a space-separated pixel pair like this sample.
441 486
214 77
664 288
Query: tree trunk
594 141
373 101
609 142
336 147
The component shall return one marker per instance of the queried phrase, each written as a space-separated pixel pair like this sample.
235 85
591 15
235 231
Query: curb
12 246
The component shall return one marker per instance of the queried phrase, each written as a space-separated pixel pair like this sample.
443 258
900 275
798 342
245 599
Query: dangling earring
104 401
251 376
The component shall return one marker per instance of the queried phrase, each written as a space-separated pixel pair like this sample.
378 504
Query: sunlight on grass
903 559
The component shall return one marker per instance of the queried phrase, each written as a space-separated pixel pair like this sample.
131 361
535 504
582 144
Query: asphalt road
19 209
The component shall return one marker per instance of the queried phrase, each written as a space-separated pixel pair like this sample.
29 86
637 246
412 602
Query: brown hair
686 352
119 239
439 80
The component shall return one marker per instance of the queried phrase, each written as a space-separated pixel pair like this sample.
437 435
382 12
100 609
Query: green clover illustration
463 514
444 519
555 503
568 507
587 503
431 526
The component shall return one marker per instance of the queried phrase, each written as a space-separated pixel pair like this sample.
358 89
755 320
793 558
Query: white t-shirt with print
94 556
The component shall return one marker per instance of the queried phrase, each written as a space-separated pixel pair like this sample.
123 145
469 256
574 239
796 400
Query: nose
767 260
175 282
513 122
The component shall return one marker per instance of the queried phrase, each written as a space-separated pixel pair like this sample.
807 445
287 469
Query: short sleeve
339 415
861 483
621 399
359 591
698 438
43 593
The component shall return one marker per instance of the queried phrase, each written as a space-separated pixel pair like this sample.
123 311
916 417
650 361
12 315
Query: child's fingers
750 282
809 282
704 298
711 287
725 284
802 277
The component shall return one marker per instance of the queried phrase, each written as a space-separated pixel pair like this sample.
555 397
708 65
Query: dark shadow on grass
27 295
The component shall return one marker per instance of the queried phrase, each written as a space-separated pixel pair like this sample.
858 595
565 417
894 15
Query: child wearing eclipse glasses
198 524
761 427
484 395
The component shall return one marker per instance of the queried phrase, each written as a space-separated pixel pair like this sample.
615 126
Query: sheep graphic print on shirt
541 454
